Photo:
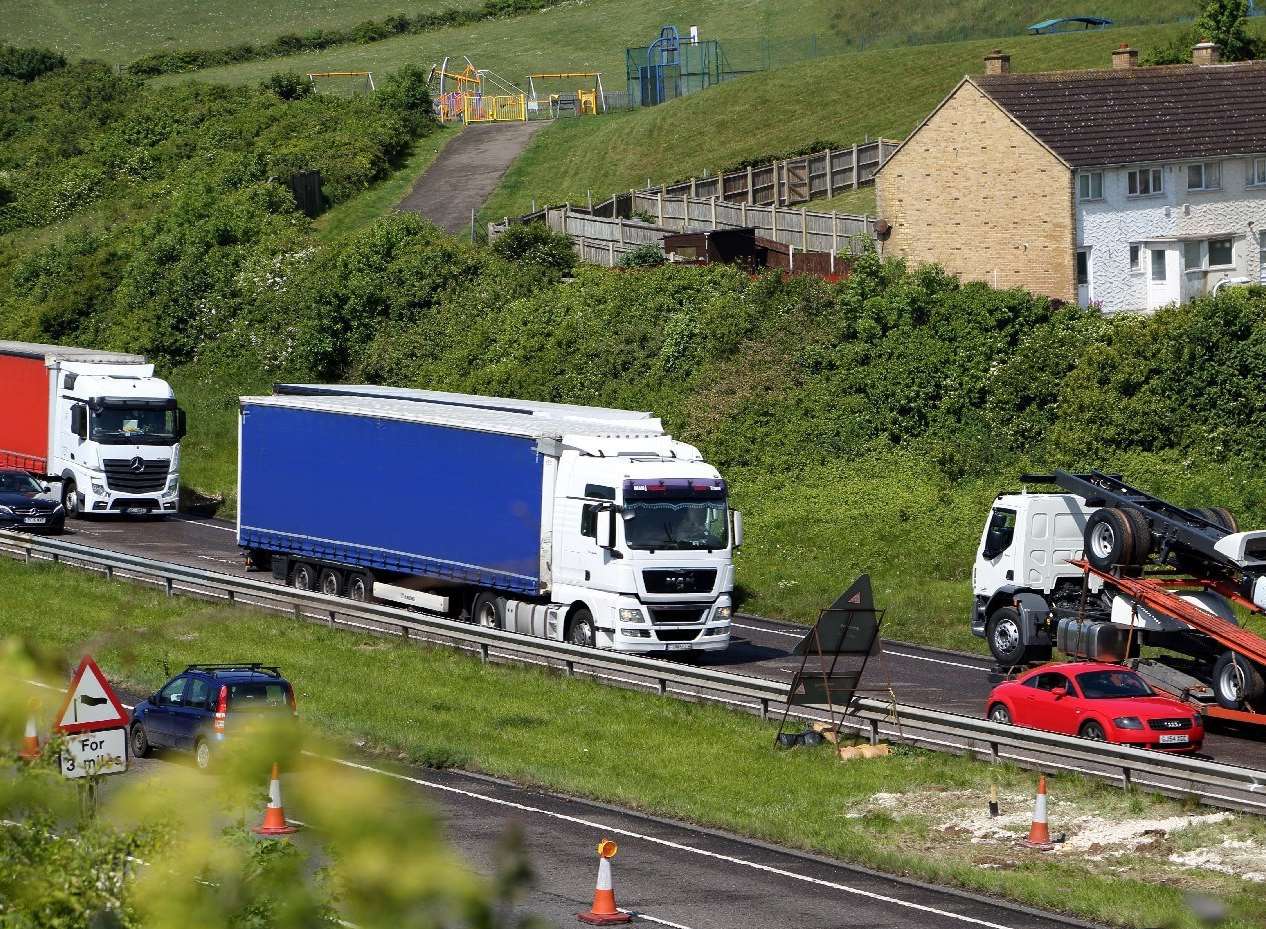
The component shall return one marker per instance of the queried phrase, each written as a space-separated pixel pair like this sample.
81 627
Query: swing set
587 100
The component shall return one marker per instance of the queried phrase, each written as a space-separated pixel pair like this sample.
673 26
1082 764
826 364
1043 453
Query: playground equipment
474 95
670 67
589 100
366 79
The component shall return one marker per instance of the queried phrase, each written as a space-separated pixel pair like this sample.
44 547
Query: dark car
24 504
198 709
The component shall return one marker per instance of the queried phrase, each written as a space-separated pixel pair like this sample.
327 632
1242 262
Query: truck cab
644 541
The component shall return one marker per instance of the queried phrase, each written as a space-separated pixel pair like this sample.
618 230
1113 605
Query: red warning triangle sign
90 703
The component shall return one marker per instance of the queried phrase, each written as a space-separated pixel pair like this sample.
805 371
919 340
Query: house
1126 187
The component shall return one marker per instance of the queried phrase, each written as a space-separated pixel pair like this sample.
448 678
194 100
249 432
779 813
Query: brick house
1126 187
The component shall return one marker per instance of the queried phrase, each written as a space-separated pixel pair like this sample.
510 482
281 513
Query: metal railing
1209 782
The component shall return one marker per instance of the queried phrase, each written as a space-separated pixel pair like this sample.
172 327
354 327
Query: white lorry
99 422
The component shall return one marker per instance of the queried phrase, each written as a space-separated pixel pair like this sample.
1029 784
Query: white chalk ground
1201 840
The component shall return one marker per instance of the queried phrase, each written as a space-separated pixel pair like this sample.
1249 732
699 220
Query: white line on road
199 522
769 869
952 664
652 919
791 635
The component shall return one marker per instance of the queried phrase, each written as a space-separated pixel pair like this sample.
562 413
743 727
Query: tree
26 64
1225 23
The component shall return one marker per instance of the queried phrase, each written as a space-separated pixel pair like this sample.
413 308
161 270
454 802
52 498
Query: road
912 674
466 172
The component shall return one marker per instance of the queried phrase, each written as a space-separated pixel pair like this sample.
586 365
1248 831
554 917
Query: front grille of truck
681 581
677 635
1170 725
675 615
122 474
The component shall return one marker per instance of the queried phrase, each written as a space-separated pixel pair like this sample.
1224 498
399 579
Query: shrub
536 244
26 64
646 255
288 85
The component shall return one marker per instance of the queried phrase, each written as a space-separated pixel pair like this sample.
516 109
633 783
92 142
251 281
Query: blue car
25 504
197 709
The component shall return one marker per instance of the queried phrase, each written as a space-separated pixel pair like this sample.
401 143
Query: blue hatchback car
197 708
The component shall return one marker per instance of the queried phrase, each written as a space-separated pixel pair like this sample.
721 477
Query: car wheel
998 713
70 500
581 628
140 741
1094 731
1236 681
331 582
357 588
1109 540
489 610
1005 641
202 755
303 576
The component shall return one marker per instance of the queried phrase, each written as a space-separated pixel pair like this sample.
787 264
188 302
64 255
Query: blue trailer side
408 497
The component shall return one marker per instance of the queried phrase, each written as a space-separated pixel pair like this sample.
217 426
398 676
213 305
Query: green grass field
542 729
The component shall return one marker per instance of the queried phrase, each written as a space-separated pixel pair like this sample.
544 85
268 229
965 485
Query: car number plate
35 520
679 646
136 510
1172 737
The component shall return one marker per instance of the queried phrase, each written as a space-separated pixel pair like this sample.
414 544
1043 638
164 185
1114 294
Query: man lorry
1100 568
98 422
572 523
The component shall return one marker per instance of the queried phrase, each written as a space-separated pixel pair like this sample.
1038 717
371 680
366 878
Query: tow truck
1102 570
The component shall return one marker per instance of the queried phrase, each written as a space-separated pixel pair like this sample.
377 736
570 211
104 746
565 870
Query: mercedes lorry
98 422
572 523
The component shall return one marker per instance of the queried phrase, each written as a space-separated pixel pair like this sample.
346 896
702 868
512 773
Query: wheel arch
575 607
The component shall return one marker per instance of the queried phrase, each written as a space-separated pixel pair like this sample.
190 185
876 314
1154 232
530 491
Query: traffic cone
1039 833
30 742
604 912
274 816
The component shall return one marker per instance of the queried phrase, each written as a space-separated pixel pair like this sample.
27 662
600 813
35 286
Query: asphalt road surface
914 675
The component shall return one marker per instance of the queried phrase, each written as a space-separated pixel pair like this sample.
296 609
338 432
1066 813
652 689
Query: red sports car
1097 701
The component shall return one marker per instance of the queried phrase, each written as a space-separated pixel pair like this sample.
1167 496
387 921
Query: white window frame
1082 252
1205 167
1225 267
1257 172
1261 256
1136 256
1203 246
1090 180
1155 178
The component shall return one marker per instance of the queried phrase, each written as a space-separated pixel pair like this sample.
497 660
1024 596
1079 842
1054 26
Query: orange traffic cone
274 816
604 912
30 742
1039 833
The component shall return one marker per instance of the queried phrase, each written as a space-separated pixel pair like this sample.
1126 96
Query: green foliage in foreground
699 763
1223 22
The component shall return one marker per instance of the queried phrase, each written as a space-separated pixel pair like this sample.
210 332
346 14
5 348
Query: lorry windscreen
675 514
127 426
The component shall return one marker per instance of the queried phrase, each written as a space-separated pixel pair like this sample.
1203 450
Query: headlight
637 633
1127 722
723 612
5 511
631 615
57 509
98 489
172 484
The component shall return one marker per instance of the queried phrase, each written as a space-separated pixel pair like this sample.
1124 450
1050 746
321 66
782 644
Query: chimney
1124 57
1206 53
997 62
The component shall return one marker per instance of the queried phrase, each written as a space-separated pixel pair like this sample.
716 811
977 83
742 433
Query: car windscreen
259 696
1109 685
18 482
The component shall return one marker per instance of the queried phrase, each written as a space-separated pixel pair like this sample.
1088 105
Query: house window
1158 264
1214 253
1090 185
1261 256
1205 176
1193 256
1143 182
1134 257
1258 174
1083 269
1221 253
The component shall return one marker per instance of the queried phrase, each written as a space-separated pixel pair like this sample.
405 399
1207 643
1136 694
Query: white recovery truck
1102 569
99 422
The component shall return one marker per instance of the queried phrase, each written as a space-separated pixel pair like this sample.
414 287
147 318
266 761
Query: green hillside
883 92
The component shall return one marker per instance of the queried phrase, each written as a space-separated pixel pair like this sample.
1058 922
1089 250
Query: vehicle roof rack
253 667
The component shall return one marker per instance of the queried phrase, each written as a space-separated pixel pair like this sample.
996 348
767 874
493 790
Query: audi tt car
1097 701
25 503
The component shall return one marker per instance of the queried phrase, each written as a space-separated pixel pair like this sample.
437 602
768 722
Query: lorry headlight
98 489
173 484
631 615
637 633
1127 722
723 612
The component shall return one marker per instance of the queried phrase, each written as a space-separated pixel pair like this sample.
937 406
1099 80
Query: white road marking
652 919
199 522
791 635
952 664
756 866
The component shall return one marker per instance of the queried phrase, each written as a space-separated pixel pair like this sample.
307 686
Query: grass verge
550 731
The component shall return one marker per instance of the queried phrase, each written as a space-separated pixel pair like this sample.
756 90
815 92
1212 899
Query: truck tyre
1142 527
70 499
1220 516
581 629
489 610
1237 681
358 587
303 576
331 582
1110 540
1006 640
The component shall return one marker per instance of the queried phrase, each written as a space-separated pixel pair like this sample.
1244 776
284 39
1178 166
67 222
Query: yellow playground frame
590 101
463 95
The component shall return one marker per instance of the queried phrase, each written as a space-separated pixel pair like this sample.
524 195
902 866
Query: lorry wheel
357 588
1236 681
1110 539
303 576
581 632
331 582
1219 516
70 500
1006 641
489 610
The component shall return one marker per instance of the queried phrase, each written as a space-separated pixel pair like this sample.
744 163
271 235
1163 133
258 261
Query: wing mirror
182 426
604 531
79 420
736 518
1059 693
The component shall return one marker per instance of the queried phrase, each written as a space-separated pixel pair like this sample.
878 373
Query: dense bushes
314 40
26 64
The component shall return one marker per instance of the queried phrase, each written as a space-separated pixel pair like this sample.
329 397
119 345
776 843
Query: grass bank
546 730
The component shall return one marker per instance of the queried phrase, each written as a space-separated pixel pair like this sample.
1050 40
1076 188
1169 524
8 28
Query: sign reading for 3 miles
95 725
95 753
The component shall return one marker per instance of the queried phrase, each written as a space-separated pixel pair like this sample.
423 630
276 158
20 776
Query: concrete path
466 172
